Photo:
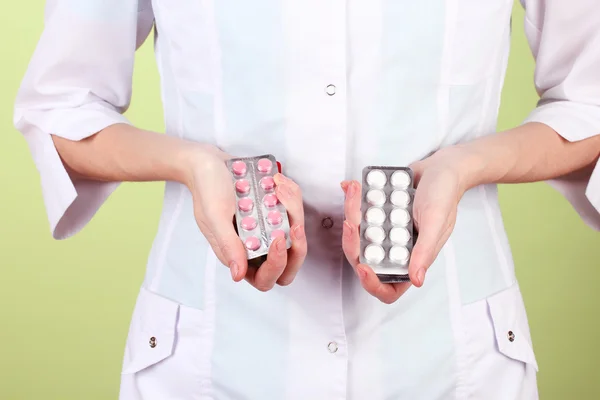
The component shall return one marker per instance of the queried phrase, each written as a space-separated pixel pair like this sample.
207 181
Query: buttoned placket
335 93
316 100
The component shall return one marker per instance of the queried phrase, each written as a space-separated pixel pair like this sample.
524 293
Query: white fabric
565 40
253 78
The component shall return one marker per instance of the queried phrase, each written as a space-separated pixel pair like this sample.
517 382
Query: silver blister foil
386 227
257 226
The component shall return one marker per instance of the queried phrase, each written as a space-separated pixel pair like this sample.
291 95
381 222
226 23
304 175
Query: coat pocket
497 360
168 351
152 332
511 328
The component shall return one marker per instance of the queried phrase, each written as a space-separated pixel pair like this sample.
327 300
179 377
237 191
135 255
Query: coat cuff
575 122
70 205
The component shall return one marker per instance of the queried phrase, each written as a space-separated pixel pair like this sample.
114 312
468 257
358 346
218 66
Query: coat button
327 223
152 342
330 90
332 347
511 336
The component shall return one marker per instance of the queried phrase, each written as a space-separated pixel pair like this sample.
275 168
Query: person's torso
329 87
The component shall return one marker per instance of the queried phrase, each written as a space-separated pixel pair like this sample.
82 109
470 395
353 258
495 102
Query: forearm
529 153
125 153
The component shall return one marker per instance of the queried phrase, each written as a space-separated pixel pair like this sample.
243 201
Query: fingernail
421 276
347 229
278 178
281 246
284 282
299 232
233 267
351 190
362 274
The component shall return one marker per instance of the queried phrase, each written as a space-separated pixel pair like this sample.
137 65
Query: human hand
214 207
440 184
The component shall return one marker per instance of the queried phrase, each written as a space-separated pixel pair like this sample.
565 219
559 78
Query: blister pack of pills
259 218
386 227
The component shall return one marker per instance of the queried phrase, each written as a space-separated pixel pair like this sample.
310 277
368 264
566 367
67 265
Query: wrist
196 158
466 163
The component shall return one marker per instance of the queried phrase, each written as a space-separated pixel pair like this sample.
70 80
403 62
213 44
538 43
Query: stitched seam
501 257
455 310
208 336
162 255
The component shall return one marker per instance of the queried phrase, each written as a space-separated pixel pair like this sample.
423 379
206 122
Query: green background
65 305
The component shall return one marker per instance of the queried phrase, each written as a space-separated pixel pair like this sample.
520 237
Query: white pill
399 216
375 216
375 234
376 197
400 179
399 235
400 198
376 178
399 255
374 253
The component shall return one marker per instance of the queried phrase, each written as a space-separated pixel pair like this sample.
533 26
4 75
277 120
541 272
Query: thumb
425 251
230 250
420 261
418 167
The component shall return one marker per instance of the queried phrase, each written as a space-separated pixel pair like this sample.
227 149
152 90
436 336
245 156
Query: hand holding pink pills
217 200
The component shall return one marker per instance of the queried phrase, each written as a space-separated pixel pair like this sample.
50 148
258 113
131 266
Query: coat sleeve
78 82
564 37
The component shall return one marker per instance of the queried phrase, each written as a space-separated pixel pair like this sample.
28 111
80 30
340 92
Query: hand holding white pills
385 292
439 188
214 207
441 183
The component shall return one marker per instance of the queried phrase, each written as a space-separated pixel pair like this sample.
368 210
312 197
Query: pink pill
248 223
277 233
242 186
245 205
252 243
264 165
270 201
267 183
239 168
274 218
